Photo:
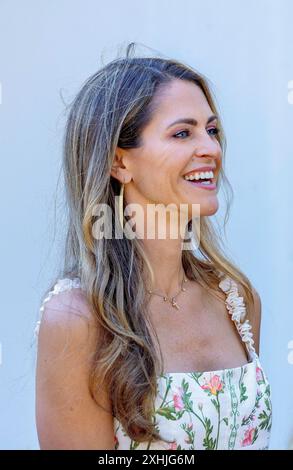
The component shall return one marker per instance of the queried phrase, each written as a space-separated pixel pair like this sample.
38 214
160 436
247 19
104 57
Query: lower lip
210 187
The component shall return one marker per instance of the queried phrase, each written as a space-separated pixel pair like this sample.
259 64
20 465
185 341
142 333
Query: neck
161 238
165 257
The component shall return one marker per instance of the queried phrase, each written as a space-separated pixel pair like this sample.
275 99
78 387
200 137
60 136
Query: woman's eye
213 130
181 133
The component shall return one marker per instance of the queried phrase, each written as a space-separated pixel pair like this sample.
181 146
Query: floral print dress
222 409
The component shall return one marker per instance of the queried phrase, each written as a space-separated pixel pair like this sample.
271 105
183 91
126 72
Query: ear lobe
114 172
118 170
120 175
117 165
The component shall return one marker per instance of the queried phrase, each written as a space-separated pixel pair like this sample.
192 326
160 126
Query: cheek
145 176
220 153
150 170
158 168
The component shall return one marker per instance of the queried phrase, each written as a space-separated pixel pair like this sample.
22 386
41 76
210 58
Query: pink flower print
173 446
248 437
177 399
259 375
214 386
188 440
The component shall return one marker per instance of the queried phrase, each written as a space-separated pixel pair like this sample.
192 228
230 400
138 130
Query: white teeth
200 175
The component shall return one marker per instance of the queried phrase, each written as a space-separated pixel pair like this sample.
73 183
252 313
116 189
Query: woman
146 342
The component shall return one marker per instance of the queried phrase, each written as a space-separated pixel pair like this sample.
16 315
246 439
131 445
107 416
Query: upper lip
203 168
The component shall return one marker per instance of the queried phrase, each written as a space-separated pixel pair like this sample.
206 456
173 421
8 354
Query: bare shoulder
67 321
69 307
255 316
67 416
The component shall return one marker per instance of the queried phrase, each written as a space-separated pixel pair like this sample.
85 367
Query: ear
119 170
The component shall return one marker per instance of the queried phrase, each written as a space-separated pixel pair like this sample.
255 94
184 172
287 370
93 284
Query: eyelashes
216 131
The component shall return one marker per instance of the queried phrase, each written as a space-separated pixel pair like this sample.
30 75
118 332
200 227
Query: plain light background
48 49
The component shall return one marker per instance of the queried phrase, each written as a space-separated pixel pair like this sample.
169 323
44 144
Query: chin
206 208
210 208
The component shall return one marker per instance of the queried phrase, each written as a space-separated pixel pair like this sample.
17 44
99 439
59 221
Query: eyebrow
191 121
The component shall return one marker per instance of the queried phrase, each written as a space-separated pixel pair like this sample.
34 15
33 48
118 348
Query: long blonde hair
111 109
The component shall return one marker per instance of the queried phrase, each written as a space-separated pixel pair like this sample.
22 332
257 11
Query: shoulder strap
60 286
236 307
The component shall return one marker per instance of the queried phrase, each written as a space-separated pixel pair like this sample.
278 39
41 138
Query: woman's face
156 170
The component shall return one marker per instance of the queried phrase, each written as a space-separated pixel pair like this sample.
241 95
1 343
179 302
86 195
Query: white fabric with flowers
223 409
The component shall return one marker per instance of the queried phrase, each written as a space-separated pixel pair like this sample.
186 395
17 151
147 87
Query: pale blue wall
245 49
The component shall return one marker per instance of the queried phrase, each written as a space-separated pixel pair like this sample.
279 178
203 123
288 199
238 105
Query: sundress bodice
222 409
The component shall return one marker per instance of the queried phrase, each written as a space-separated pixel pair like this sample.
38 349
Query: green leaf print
268 390
213 388
216 404
168 412
255 436
243 395
249 419
188 428
265 420
208 442
133 445
234 412
260 376
242 387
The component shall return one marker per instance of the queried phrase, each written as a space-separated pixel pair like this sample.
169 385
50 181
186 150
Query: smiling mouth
203 184
206 179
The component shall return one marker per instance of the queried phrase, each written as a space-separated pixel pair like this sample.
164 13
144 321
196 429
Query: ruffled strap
236 308
60 286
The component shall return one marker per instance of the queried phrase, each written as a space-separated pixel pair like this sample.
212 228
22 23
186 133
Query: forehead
178 99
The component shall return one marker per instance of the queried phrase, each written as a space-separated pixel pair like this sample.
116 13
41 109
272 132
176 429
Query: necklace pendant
174 304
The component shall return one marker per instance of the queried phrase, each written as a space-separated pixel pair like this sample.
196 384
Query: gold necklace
173 299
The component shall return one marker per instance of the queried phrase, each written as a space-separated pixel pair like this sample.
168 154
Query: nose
207 146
